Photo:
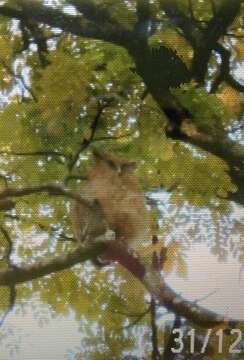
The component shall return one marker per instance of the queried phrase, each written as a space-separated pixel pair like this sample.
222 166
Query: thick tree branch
50 189
203 40
216 28
18 275
95 13
221 146
188 26
165 295
145 25
74 24
151 279
234 83
224 74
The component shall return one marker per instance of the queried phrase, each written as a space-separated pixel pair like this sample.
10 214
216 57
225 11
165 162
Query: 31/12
180 337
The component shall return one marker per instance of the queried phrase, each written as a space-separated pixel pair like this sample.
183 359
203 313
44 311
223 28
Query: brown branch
101 106
18 275
152 281
6 204
95 13
61 235
216 28
105 138
154 336
224 74
224 67
234 83
50 189
203 39
12 288
133 315
228 150
10 244
163 293
137 319
76 25
143 10
34 153
189 27
30 28
12 299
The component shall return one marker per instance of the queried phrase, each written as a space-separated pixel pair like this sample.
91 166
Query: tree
157 82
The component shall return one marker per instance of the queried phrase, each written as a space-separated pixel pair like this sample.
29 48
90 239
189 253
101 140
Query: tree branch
189 26
74 24
217 27
154 336
95 13
18 275
152 280
101 105
160 290
223 147
45 153
12 288
50 189
203 40
224 74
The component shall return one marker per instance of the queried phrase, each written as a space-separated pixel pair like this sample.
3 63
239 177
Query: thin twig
136 315
34 153
137 320
101 105
205 297
154 336
104 138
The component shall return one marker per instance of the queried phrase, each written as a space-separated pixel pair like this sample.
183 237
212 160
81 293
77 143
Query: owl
119 202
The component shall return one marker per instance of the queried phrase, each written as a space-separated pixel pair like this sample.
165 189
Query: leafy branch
152 280
54 190
102 104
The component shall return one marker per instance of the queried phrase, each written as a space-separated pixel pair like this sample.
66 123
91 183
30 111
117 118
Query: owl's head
119 165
